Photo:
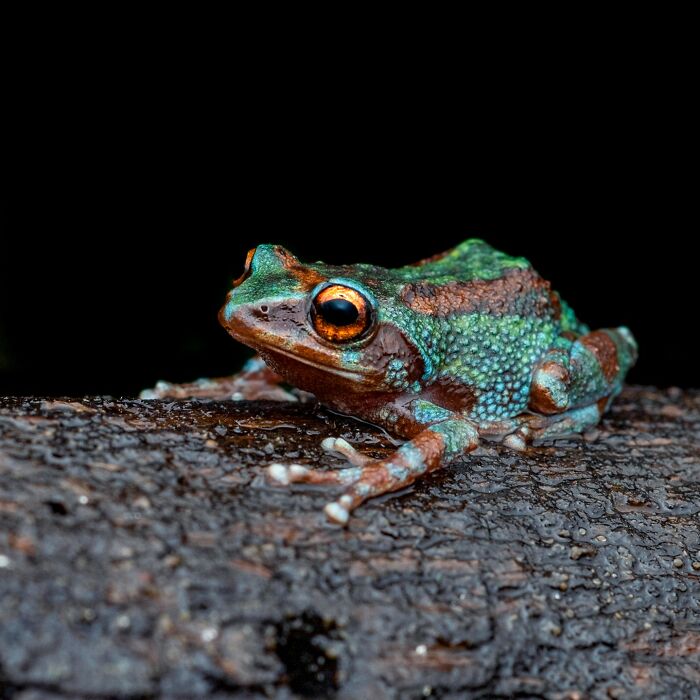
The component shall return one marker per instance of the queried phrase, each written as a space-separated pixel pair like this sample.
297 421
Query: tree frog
468 345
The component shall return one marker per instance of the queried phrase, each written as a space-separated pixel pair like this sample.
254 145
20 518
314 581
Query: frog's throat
354 376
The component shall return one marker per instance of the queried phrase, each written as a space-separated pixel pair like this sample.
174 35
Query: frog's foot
375 477
519 432
295 473
221 389
255 382
569 423
429 450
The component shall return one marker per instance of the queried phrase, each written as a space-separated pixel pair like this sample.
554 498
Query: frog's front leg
256 381
434 445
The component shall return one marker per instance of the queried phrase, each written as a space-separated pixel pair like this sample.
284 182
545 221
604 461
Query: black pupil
339 312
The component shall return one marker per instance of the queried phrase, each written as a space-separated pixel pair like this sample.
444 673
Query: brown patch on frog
450 393
541 399
517 291
308 278
605 351
320 380
388 344
555 301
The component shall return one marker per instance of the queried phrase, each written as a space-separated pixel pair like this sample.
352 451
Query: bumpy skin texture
468 344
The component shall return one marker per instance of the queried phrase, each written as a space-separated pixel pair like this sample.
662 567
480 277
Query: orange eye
246 270
341 314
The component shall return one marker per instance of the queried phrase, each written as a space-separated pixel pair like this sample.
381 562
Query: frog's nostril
264 308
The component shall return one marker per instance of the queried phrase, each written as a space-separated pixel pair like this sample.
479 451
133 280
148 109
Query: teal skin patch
426 413
555 388
350 357
254 364
410 462
493 355
459 436
589 380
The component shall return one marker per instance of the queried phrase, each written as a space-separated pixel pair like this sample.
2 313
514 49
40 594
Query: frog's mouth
351 375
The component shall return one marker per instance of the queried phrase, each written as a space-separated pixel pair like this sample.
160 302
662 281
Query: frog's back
471 278
474 278
473 259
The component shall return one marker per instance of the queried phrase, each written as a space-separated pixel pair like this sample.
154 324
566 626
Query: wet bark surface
144 555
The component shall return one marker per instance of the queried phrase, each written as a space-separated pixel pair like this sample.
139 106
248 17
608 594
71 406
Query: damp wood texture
144 555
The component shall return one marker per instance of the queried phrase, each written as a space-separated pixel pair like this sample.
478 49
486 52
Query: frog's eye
341 314
247 269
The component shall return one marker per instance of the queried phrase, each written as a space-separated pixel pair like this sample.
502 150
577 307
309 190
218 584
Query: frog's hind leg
519 432
581 371
571 388
562 425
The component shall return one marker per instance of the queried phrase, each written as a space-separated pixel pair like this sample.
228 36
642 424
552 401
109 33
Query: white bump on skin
414 458
337 513
515 442
296 471
279 473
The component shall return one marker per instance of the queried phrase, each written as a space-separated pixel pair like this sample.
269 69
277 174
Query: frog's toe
519 439
515 442
339 511
285 474
343 448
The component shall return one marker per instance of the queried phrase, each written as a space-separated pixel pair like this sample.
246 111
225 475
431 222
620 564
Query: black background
122 230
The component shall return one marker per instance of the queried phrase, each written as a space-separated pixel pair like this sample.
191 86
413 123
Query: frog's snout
237 318
228 310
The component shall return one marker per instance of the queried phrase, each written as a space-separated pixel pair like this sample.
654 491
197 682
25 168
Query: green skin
468 345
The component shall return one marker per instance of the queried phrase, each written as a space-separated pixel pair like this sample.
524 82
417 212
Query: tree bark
144 555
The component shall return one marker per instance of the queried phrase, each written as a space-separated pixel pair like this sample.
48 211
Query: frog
459 349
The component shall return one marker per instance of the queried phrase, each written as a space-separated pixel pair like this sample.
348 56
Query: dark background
108 287
130 214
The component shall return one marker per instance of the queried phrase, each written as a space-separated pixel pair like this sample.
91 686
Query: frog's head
319 326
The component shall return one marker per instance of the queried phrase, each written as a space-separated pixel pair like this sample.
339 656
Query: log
144 555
